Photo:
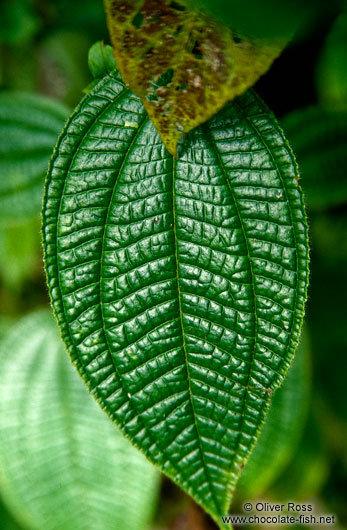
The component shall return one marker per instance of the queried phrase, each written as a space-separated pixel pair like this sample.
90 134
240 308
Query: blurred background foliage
301 454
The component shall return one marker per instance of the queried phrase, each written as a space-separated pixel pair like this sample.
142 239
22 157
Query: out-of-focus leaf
87 15
5 324
20 69
329 242
282 430
307 471
318 137
332 67
29 127
18 22
63 464
7 522
1 70
101 60
327 313
265 19
183 64
64 67
179 285
20 252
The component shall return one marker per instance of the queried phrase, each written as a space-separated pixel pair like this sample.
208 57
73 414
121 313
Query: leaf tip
169 140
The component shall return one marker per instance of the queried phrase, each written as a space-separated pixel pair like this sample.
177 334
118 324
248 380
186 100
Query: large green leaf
281 433
29 127
64 466
318 137
179 285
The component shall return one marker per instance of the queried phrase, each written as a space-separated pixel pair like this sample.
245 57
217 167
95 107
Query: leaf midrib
184 346
247 383
138 415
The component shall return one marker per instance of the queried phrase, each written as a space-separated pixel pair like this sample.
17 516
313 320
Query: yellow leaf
183 64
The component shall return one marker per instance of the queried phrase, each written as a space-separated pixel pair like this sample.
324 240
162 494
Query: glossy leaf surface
179 285
282 430
64 465
318 137
29 128
184 64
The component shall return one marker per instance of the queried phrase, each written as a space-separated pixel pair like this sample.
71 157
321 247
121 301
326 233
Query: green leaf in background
29 127
307 471
19 70
327 316
100 63
7 522
179 285
18 22
5 324
63 464
63 66
282 430
87 15
20 252
318 137
101 60
332 66
265 19
183 64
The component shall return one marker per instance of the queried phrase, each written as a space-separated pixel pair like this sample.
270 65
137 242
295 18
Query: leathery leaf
179 284
183 64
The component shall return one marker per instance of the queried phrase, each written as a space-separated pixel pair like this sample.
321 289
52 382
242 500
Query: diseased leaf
178 285
281 432
29 127
63 464
318 137
183 64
